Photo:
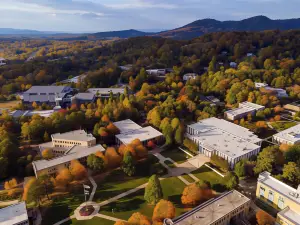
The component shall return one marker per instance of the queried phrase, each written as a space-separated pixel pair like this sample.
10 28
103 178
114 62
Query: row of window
67 142
270 198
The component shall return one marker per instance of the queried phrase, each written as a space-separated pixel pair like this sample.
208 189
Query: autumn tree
96 163
293 154
139 219
195 193
10 184
77 170
63 178
47 153
153 190
264 218
163 209
112 157
291 172
128 164
231 179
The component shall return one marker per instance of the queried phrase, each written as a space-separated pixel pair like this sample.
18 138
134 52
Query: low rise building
52 166
130 131
15 214
105 92
226 209
189 76
294 107
289 136
83 98
47 94
69 139
233 64
159 72
260 85
2 61
280 196
29 113
227 140
243 110
266 89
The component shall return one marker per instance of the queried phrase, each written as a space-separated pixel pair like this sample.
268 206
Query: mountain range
189 31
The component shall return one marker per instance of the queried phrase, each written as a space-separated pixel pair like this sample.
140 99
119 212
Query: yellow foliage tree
163 209
26 187
47 154
139 219
10 184
63 177
112 157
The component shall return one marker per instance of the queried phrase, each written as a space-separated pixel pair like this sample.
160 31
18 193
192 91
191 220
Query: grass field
94 221
280 126
9 104
188 178
206 174
116 183
125 207
176 155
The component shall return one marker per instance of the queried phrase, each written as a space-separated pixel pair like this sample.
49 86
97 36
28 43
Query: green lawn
188 178
280 126
204 173
175 154
169 163
94 221
125 207
9 104
116 183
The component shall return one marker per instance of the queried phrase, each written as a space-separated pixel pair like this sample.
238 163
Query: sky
79 16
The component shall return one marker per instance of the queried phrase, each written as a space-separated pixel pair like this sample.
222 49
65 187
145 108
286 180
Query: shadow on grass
176 200
124 206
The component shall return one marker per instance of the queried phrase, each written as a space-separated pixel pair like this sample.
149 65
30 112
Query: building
280 196
2 61
130 131
265 88
159 72
292 107
289 136
52 166
105 92
233 64
126 67
250 54
189 76
69 139
48 94
260 85
223 210
14 215
225 139
243 110
83 98
74 80
42 113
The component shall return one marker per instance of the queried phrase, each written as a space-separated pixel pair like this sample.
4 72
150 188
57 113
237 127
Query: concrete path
108 217
94 188
65 220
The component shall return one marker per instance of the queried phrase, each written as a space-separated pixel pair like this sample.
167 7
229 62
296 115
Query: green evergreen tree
128 164
46 137
153 190
179 135
239 168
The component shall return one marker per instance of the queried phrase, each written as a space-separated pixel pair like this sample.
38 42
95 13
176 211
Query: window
262 191
280 202
271 196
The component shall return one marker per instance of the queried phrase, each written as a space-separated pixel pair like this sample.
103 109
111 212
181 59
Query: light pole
86 192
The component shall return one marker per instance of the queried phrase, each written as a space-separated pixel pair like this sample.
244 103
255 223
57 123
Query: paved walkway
108 217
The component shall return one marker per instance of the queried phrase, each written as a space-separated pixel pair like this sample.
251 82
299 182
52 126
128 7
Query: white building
29 113
130 131
2 61
260 85
289 136
279 92
52 166
189 76
14 215
233 64
159 72
105 92
225 139
223 210
244 109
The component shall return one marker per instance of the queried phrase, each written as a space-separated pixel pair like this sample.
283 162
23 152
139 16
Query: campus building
292 107
189 76
29 113
243 110
289 136
14 215
130 131
225 139
2 61
265 88
52 95
83 98
281 197
223 210
105 92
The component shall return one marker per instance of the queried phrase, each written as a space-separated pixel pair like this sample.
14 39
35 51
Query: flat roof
43 113
13 214
245 107
251 105
290 215
85 96
142 134
47 89
76 152
106 90
280 187
213 210
127 126
226 126
76 135
291 134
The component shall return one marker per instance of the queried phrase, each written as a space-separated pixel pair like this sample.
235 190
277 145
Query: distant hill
12 31
119 34
257 23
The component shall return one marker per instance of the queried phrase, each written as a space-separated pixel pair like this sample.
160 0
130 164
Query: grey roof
43 113
85 96
13 214
291 215
291 134
76 152
76 135
101 91
47 89
126 126
213 210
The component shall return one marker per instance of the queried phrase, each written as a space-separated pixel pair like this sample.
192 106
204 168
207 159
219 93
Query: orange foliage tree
163 209
284 147
47 154
105 118
112 129
77 170
26 188
112 157
139 219
10 184
264 218
277 118
141 151
121 223
63 177
151 144
191 195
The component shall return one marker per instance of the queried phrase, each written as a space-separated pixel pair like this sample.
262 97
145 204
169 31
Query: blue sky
108 15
